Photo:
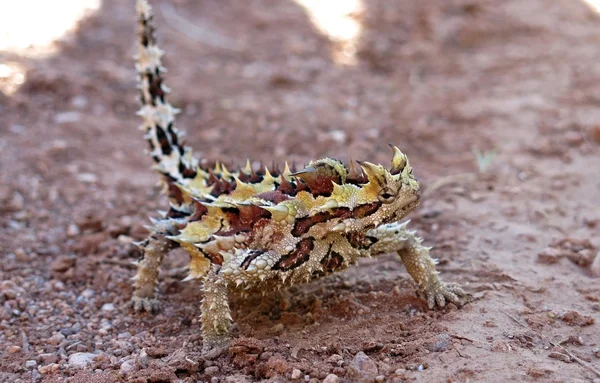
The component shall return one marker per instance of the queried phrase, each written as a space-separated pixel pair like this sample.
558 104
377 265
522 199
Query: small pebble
441 343
49 368
30 364
362 367
108 307
63 263
296 374
81 359
72 230
55 339
87 293
335 359
13 349
212 370
48 358
128 367
331 378
68 331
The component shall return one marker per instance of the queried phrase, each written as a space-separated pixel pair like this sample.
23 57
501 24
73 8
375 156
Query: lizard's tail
173 159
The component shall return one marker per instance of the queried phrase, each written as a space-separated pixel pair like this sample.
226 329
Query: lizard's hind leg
418 263
154 248
216 315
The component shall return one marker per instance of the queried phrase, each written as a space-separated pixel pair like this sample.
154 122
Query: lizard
257 230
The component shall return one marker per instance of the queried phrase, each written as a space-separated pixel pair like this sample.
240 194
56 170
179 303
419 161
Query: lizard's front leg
418 263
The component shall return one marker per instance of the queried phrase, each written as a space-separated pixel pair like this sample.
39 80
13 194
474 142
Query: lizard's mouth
407 209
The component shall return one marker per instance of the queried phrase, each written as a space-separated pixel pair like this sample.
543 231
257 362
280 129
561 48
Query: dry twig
577 359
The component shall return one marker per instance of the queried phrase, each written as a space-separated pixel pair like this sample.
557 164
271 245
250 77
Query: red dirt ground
441 79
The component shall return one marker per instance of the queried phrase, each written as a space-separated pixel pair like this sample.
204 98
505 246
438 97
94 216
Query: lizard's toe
454 291
150 305
441 293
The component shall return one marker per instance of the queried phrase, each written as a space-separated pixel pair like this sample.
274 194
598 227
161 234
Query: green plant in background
483 159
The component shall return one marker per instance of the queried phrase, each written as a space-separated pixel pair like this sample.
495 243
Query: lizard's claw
150 305
439 293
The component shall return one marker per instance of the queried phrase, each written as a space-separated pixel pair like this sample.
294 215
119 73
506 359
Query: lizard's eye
386 197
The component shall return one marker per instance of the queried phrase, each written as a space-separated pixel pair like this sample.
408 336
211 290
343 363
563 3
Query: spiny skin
260 230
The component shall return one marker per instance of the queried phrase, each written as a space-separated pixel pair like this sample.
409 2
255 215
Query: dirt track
441 79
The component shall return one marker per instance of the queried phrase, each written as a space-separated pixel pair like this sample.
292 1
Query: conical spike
175 238
331 204
398 160
261 166
212 178
248 168
337 189
300 185
339 227
375 173
354 174
226 256
279 212
268 177
254 176
225 172
286 170
275 172
241 186
218 167
188 278
286 186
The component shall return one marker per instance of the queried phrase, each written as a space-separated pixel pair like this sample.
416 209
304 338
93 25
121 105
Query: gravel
81 359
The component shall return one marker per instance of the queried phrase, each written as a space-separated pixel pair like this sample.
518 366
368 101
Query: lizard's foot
150 305
438 293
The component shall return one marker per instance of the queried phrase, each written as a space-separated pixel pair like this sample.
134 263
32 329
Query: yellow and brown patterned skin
258 230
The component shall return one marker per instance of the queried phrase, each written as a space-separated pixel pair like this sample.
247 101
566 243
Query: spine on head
172 158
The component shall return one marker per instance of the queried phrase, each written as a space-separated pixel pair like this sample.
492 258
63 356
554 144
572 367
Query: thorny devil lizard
260 230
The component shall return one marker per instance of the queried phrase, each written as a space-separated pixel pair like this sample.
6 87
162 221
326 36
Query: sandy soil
442 79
